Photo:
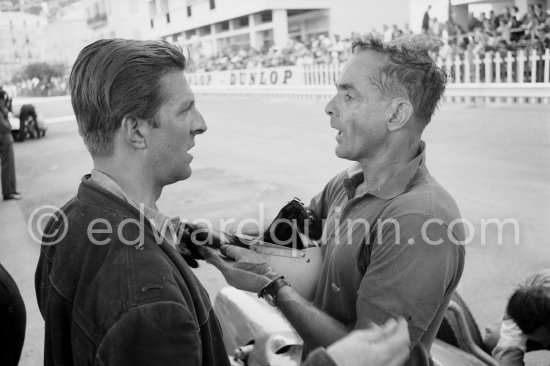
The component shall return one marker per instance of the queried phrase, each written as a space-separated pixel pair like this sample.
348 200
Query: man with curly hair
392 234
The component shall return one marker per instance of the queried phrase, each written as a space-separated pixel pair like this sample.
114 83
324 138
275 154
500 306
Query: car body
256 334
32 128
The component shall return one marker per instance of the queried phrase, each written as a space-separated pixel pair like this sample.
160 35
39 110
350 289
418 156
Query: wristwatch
269 291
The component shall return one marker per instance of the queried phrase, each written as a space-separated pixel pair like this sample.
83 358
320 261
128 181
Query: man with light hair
111 291
409 266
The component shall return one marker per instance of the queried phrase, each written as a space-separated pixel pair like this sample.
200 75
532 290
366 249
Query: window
240 22
152 23
266 16
190 33
167 17
222 26
189 11
204 31
212 4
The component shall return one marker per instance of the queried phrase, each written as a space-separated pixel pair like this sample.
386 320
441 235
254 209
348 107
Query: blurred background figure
6 151
526 325
13 320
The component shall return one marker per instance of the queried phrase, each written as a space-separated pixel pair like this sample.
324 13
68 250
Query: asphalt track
260 152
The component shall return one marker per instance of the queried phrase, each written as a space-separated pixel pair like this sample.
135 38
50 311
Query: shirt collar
157 219
395 185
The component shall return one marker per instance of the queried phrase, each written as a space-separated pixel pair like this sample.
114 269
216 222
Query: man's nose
330 108
199 125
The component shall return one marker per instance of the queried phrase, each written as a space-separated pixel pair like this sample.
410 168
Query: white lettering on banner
293 75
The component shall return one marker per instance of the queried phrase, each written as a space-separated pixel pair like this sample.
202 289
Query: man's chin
341 154
186 174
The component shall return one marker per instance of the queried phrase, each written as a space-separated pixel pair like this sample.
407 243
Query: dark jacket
13 320
120 303
5 125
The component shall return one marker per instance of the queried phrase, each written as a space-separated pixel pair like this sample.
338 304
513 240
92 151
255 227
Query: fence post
520 60
547 65
316 74
477 62
457 69
509 69
498 61
488 60
467 76
534 59
449 67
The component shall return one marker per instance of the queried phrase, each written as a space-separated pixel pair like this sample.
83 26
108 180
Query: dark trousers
8 165
13 320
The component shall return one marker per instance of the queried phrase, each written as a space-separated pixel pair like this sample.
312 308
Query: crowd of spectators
508 31
504 32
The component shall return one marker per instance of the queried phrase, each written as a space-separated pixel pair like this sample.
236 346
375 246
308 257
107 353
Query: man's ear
135 131
401 112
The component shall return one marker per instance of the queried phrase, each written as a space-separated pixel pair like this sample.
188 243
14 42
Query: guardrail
467 93
492 78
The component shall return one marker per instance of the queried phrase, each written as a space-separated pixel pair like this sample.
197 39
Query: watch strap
273 287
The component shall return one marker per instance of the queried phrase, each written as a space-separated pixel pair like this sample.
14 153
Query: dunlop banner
291 75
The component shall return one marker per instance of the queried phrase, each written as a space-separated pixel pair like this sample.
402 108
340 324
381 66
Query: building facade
208 26
66 34
19 43
117 18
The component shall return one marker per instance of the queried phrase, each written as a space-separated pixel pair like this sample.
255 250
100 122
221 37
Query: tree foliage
42 71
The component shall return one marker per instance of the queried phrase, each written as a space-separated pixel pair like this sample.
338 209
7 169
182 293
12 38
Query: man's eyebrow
345 87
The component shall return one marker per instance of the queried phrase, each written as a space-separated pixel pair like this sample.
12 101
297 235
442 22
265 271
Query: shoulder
428 199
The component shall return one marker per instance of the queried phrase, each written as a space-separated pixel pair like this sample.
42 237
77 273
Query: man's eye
347 97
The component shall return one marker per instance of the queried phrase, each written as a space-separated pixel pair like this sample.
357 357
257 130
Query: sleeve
319 357
511 345
319 205
5 126
160 333
409 275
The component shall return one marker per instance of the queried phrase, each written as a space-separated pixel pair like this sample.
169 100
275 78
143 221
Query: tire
450 332
22 135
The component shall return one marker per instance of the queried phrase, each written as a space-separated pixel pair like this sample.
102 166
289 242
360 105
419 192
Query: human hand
242 268
195 235
378 346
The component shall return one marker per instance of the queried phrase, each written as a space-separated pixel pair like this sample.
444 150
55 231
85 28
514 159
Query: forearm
316 328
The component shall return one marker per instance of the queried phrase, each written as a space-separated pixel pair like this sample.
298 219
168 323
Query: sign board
291 75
